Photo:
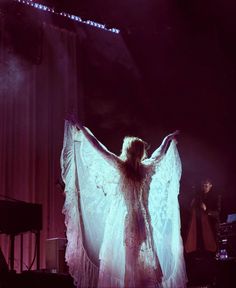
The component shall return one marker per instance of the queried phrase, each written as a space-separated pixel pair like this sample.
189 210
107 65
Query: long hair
132 153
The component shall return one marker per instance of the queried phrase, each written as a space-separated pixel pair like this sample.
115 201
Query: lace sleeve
90 186
165 218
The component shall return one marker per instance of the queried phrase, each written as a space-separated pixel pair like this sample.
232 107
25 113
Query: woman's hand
203 206
173 135
71 118
74 121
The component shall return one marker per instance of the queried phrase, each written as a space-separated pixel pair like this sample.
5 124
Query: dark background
180 75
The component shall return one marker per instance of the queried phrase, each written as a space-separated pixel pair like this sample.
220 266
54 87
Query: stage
204 273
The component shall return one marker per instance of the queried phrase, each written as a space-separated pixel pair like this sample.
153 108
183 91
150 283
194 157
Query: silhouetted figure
201 235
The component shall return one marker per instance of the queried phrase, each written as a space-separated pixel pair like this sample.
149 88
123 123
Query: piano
18 217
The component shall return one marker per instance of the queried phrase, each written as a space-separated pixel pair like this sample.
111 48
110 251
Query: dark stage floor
208 272
202 272
35 279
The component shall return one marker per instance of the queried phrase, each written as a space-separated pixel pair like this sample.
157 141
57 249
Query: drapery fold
95 216
34 96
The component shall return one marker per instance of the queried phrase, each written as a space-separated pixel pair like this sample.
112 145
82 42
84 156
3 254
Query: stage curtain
39 84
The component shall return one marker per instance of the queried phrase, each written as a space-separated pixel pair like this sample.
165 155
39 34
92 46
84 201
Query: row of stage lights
67 15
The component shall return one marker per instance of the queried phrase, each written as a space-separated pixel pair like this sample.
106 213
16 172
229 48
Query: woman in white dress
127 212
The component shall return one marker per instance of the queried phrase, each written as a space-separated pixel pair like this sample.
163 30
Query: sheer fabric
120 233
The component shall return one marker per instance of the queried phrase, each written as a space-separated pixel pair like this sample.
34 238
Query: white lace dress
121 233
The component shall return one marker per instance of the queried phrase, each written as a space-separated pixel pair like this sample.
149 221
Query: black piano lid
18 217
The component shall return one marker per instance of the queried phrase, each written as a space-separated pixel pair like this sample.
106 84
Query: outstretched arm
160 151
111 157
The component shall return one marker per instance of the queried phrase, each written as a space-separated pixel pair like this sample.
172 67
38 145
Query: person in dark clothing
201 235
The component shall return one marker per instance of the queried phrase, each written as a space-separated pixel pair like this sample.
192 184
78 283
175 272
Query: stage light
67 15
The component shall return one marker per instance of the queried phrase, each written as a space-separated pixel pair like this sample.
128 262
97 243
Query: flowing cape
95 213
